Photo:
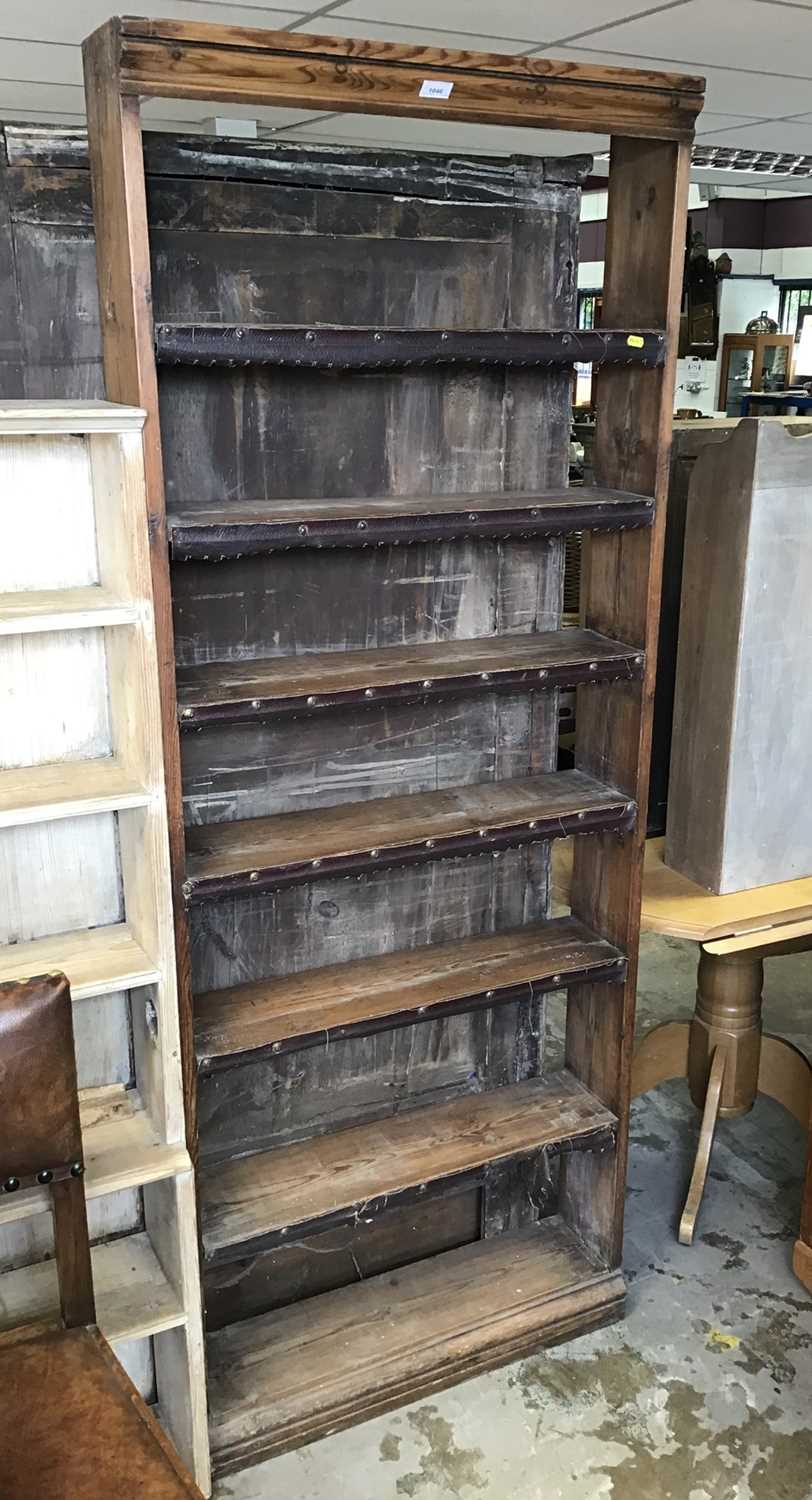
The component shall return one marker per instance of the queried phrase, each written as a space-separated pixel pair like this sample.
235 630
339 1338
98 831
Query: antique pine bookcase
357 378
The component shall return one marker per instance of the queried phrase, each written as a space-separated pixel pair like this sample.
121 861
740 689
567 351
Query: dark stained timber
396 989
244 691
252 1203
250 529
324 348
257 854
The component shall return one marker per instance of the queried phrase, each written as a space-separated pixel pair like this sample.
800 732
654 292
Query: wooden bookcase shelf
266 853
84 848
326 1182
360 822
397 989
245 530
323 348
475 1307
239 691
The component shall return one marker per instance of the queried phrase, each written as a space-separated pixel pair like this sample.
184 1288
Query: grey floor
704 1392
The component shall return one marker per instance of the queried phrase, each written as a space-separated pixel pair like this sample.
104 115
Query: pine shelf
89 890
67 789
98 961
133 1297
29 611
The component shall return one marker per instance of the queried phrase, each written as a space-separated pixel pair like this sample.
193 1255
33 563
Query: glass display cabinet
753 362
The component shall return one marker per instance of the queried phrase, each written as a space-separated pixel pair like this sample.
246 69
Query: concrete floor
704 1392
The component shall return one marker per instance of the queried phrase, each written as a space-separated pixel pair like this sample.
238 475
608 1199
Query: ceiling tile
339 24
436 135
765 135
519 20
711 124
733 33
192 112
69 97
38 62
73 20
728 90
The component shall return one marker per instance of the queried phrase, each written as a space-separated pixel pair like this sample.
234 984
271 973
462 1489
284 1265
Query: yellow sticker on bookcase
634 341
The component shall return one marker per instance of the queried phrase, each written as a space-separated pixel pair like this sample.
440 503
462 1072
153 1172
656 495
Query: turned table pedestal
723 1051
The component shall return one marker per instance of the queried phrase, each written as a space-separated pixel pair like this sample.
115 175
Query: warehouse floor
703 1393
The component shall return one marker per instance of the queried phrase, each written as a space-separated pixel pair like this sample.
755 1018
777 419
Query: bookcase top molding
235 64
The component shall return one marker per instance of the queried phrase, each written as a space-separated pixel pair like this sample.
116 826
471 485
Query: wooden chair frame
650 117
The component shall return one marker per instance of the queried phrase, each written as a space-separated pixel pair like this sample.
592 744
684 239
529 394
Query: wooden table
722 1051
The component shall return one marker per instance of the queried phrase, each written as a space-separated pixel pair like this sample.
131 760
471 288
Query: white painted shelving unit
85 886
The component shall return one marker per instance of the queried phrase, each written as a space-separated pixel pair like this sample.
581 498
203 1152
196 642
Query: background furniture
722 1051
71 1421
767 404
362 1111
84 867
689 440
753 362
736 933
737 816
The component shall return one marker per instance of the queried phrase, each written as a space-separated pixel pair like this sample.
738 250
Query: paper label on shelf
635 341
432 88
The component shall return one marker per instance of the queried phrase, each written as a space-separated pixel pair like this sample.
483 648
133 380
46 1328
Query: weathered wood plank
228 856
194 60
620 592
321 1004
290 1377
334 1258
224 691
249 1203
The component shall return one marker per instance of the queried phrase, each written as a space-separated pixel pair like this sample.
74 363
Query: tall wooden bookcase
84 865
361 429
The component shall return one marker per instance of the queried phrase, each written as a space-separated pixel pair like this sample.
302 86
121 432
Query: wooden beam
125 300
193 60
648 192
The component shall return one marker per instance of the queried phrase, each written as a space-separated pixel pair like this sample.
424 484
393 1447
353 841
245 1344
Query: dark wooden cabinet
753 362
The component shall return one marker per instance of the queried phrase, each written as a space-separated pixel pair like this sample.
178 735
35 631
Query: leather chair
72 1423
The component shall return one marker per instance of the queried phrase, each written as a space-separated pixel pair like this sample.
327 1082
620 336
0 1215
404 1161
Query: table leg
710 1115
728 1063
728 1014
